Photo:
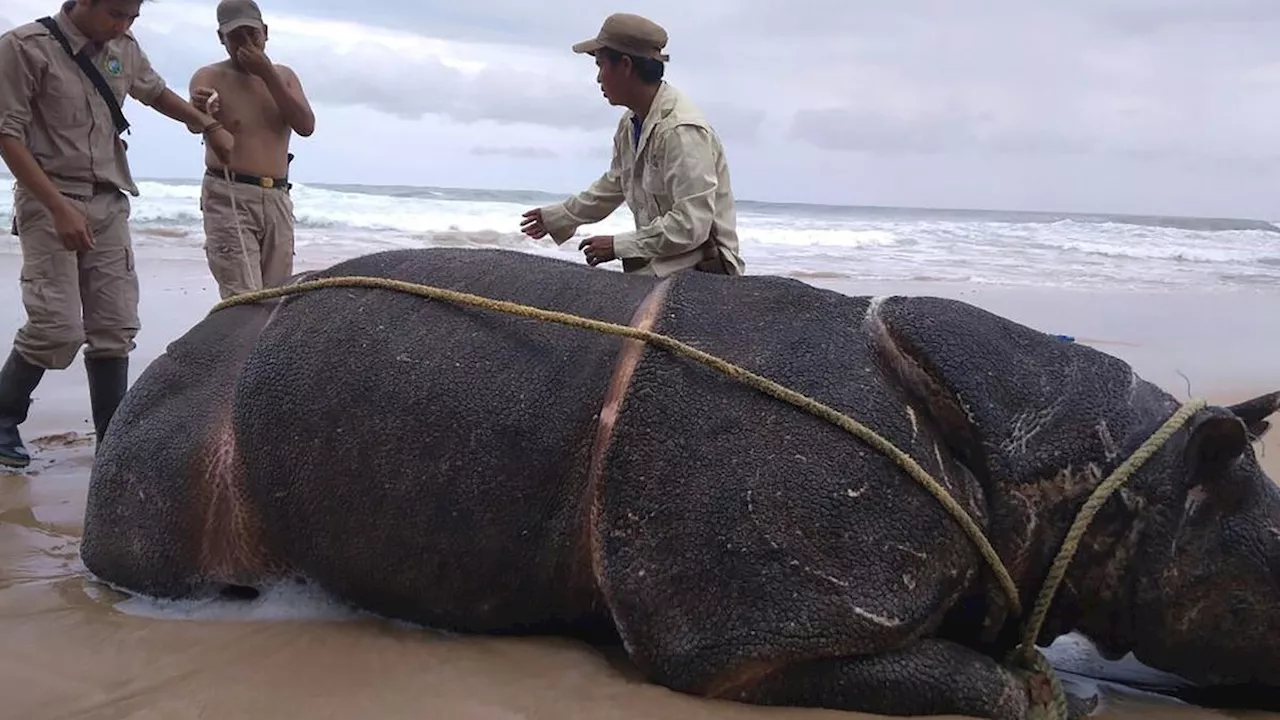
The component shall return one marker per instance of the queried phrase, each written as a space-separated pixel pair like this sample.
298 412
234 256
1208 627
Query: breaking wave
794 240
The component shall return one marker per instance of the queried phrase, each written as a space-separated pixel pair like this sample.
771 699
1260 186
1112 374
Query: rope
1045 690
1096 500
244 249
235 211
763 384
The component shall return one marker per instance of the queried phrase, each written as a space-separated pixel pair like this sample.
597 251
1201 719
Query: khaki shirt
676 183
46 100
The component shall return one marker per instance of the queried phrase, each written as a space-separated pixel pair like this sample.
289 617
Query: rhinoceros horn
1254 412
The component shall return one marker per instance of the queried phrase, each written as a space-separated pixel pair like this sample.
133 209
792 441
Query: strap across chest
95 77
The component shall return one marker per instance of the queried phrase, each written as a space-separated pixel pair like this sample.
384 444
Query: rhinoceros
475 471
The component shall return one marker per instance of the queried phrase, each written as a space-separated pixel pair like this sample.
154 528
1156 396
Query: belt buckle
267 182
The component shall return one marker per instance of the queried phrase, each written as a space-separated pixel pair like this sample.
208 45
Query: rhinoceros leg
929 677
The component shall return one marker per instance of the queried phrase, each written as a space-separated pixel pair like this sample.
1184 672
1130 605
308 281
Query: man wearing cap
63 81
668 166
247 200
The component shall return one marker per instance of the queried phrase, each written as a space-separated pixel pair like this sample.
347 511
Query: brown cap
629 34
238 13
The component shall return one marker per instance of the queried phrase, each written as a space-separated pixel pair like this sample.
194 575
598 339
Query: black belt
263 182
99 188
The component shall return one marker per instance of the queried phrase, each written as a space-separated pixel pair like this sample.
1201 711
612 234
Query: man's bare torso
252 116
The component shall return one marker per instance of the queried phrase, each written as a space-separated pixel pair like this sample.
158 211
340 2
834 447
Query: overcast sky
1147 106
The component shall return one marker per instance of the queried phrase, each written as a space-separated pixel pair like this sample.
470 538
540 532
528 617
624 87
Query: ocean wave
1175 253
790 240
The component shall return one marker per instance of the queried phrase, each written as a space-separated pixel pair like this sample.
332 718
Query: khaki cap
629 34
238 13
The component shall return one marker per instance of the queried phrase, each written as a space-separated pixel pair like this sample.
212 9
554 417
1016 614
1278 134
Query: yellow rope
764 384
1096 500
1048 698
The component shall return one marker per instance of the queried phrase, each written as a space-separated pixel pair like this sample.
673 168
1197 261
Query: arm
202 78
18 85
150 89
589 206
690 179
286 89
171 105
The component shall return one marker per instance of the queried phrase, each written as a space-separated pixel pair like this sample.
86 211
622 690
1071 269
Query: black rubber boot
18 379
108 381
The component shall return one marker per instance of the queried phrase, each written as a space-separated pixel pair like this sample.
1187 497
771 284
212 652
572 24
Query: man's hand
69 224
532 224
254 61
207 101
598 249
221 142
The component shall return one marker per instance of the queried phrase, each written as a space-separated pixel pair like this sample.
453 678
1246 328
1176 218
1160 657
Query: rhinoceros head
1206 575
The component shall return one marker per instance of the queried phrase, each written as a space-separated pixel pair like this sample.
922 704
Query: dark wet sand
68 650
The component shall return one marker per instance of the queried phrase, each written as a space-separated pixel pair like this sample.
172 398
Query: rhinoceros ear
1254 412
1216 442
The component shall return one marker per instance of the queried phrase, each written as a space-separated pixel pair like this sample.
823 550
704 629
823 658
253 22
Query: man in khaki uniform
248 213
668 166
62 81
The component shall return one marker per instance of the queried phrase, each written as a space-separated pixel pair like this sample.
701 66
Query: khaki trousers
76 298
266 219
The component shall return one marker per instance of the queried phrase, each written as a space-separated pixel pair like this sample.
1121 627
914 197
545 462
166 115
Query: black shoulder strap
99 82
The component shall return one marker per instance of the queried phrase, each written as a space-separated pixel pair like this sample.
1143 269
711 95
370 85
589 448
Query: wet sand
72 649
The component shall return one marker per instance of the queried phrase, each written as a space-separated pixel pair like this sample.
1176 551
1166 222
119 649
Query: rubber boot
108 381
18 379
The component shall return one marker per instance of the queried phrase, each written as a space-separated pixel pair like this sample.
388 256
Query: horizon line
793 203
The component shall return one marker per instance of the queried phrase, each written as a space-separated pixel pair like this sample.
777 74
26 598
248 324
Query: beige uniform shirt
676 183
46 100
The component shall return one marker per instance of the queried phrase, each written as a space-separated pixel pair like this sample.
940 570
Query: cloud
404 75
523 152
409 76
429 87
1126 79
1130 105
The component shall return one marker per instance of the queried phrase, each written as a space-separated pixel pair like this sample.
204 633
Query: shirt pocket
64 101
653 180
654 183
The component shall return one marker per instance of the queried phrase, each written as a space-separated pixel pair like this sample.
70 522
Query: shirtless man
261 103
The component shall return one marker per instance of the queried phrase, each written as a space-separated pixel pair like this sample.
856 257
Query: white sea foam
282 602
978 247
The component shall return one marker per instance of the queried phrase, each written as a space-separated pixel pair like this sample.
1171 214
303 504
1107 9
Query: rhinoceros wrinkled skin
472 471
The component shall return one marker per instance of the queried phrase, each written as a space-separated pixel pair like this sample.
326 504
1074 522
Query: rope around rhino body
1049 702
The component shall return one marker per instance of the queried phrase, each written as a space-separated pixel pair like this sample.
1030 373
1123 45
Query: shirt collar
76 38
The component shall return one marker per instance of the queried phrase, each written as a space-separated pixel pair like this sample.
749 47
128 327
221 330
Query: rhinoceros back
424 459
1025 389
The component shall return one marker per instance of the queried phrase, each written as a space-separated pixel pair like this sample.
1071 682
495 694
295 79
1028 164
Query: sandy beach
70 649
